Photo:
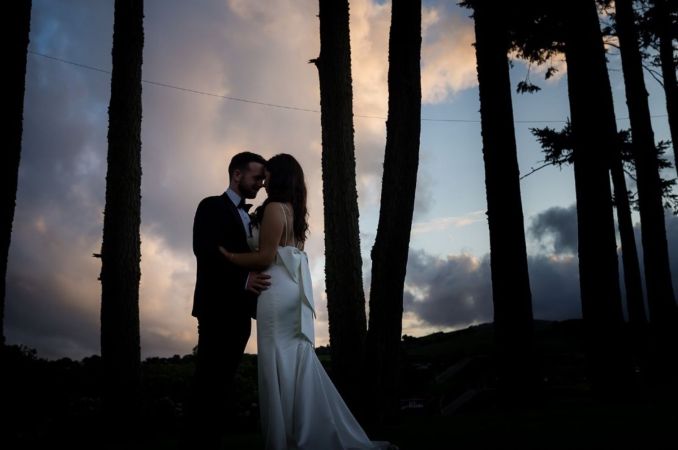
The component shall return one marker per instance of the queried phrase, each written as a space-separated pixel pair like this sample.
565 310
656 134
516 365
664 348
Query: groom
225 295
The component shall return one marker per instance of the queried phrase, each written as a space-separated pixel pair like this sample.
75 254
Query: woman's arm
269 237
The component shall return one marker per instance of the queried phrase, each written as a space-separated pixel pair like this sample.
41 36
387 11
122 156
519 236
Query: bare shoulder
274 206
274 209
279 206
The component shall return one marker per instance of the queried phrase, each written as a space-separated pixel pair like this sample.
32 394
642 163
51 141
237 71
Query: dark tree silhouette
545 28
19 22
512 298
594 138
391 246
660 294
632 281
558 148
120 252
659 27
343 262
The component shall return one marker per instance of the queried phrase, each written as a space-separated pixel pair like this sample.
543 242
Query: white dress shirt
244 216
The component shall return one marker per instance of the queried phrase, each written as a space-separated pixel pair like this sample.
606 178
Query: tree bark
121 254
635 303
343 262
660 294
391 246
19 29
511 295
594 139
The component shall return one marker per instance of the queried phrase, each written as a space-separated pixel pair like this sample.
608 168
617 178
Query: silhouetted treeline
574 30
448 378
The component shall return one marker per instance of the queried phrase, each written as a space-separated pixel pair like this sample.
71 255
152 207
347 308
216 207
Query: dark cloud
457 290
450 291
41 315
558 226
554 281
52 292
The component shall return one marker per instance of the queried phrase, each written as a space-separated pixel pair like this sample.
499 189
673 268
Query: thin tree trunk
391 246
19 22
594 136
120 271
513 320
660 294
343 262
663 30
635 302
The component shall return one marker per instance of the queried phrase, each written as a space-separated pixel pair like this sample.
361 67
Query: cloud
557 228
555 232
165 298
447 67
52 295
456 290
451 291
554 282
448 57
443 223
448 62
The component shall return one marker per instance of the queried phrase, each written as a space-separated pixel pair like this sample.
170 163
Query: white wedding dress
300 407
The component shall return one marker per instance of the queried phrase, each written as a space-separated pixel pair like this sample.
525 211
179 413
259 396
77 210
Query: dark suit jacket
220 285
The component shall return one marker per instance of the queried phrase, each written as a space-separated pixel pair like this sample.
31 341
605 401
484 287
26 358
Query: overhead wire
275 105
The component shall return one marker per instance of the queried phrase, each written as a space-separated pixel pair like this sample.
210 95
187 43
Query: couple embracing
255 266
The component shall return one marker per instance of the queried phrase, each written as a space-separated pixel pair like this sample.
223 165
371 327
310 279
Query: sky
259 52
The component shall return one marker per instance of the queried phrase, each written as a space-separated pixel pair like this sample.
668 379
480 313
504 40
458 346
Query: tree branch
538 168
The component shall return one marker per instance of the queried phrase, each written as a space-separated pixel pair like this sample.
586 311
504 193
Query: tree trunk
632 281
391 246
120 271
343 262
19 29
594 138
660 295
513 321
635 302
665 36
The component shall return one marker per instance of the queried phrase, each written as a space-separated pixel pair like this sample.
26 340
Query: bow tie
243 205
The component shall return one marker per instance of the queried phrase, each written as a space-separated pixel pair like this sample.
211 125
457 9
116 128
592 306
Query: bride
300 407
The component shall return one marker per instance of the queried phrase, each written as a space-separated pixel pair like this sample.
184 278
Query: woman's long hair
286 185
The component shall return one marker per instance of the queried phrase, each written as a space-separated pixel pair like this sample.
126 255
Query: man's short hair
242 160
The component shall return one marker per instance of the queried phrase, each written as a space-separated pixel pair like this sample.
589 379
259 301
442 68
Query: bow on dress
296 263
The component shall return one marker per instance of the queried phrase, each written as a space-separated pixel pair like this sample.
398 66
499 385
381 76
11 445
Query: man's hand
257 282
